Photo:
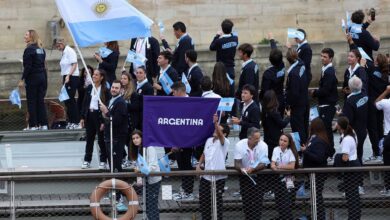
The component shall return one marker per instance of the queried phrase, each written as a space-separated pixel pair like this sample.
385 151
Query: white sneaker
31 129
361 190
86 165
183 197
77 126
68 126
102 166
377 159
43 128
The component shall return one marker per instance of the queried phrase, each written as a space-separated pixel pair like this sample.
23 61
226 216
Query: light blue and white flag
63 94
97 21
231 81
166 83
226 104
163 163
136 58
186 83
142 165
104 52
343 25
161 27
294 33
297 140
364 54
14 97
313 113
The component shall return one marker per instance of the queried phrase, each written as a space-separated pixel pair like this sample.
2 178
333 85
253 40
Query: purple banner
178 121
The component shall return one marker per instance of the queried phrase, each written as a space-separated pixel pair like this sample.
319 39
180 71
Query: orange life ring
103 188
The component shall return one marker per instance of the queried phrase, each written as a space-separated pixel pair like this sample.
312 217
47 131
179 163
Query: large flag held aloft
97 21
182 122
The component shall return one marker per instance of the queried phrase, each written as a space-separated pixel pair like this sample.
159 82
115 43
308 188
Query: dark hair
246 49
291 56
103 87
328 51
225 129
303 31
357 54
192 55
383 66
206 83
270 101
134 150
118 81
343 123
357 17
84 71
178 86
276 57
113 45
167 55
317 127
291 145
221 84
227 26
179 26
250 88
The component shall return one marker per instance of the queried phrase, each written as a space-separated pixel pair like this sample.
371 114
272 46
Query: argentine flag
226 104
294 33
104 52
133 57
142 165
313 113
186 83
166 83
364 54
97 21
163 163
63 94
297 140
14 97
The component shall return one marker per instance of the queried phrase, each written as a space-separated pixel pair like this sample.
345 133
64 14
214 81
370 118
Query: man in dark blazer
164 60
117 110
249 72
194 74
150 48
185 43
327 94
250 111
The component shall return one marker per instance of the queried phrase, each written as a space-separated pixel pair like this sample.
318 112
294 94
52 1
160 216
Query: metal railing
320 193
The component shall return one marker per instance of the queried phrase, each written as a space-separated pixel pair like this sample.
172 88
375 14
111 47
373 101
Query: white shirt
245 107
348 146
246 63
384 105
210 94
215 154
152 161
352 71
324 68
189 70
140 48
250 158
282 158
94 105
68 58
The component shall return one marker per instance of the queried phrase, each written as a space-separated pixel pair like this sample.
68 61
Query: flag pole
100 101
